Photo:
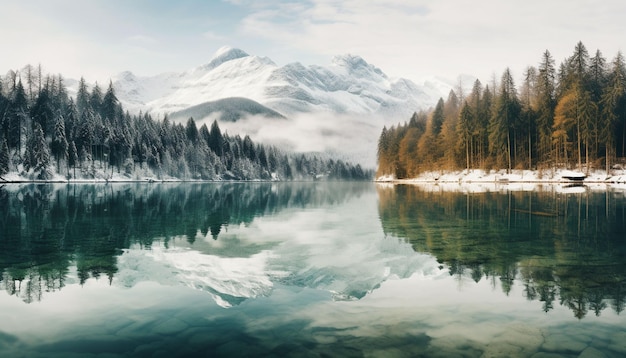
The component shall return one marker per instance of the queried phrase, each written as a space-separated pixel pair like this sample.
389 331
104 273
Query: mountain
349 85
338 109
227 109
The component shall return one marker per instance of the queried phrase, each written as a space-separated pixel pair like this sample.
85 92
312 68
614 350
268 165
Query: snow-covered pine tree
59 146
72 158
4 155
41 154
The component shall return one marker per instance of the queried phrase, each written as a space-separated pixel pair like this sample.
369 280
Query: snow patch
476 180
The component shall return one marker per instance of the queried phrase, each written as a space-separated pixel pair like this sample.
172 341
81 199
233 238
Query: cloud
413 39
419 39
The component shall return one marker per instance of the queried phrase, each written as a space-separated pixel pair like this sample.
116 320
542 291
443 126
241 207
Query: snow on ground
100 175
476 180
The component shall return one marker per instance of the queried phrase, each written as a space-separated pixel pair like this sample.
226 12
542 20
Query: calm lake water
311 269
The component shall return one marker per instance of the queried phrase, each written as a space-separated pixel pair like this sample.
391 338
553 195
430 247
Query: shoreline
514 176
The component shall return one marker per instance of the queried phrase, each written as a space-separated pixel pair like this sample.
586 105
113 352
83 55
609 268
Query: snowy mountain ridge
349 85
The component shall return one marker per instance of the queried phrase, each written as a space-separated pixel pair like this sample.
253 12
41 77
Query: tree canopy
573 118
44 132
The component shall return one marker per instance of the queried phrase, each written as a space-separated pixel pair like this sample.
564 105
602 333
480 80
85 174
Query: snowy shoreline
143 176
128 181
514 176
476 180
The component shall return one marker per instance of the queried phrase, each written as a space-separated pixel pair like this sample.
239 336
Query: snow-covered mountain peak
356 65
127 76
349 85
229 52
224 54
349 60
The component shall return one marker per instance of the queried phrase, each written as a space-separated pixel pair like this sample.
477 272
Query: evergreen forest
47 134
568 117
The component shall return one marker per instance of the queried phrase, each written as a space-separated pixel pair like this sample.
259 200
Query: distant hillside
227 109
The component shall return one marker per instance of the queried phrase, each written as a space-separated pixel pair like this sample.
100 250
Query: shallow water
310 269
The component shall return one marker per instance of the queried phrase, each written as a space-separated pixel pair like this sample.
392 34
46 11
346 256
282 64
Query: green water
311 269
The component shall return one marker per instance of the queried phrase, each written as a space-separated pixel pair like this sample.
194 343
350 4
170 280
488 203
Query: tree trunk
467 153
579 146
508 140
530 152
608 159
587 156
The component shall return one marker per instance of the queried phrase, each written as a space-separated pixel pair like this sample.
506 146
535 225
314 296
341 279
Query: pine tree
60 98
437 118
82 97
16 117
564 121
546 103
465 130
586 126
216 140
41 155
597 75
85 135
4 156
85 160
191 130
72 158
109 104
483 116
448 140
95 99
577 69
528 116
204 134
71 120
613 107
248 149
30 80
59 144
407 151
383 153
4 106
42 112
428 146
506 113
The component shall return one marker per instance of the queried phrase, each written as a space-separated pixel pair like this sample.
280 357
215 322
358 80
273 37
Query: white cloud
414 39
418 39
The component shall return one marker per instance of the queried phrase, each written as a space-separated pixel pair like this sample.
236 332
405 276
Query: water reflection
46 231
566 245
237 241
326 278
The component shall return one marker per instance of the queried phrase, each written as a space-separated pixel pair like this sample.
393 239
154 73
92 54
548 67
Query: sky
416 39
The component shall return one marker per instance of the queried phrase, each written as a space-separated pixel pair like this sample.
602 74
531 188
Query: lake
311 269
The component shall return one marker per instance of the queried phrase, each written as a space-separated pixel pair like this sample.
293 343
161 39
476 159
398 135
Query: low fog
348 137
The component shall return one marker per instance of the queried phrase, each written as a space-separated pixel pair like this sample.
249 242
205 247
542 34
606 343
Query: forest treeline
573 116
44 131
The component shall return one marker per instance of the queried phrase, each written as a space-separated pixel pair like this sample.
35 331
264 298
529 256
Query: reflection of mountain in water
335 248
229 280
562 246
45 231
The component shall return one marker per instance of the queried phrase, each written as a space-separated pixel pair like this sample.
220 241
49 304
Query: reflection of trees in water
561 246
45 230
